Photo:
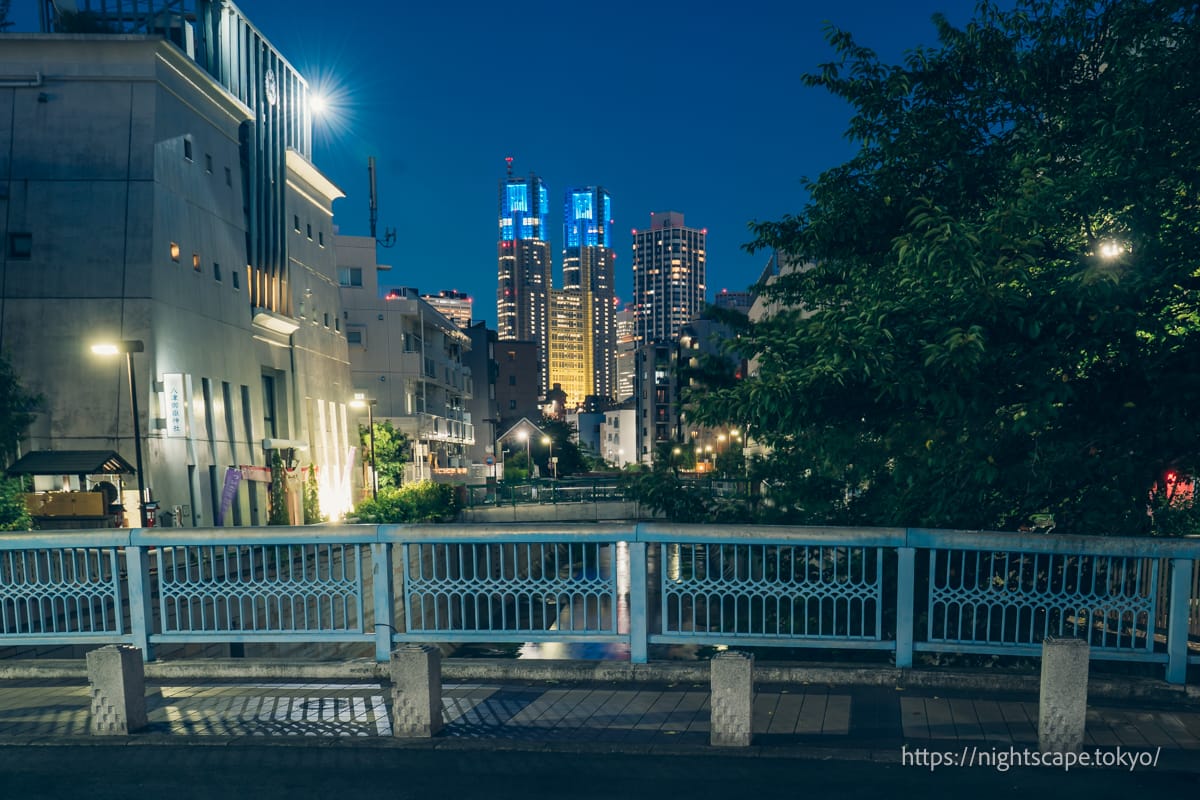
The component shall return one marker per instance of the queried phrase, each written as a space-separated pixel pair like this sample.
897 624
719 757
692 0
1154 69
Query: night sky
686 106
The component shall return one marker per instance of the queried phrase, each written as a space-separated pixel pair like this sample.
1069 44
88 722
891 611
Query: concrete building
483 405
160 190
523 268
517 392
411 361
669 269
619 435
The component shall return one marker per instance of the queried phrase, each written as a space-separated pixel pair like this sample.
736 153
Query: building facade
454 305
668 277
411 361
160 191
524 267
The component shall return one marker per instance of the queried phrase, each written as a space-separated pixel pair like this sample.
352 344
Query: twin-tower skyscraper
574 325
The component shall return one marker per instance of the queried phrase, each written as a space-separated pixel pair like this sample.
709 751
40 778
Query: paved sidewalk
849 722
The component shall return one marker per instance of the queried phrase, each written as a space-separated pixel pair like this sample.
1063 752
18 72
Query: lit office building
523 267
668 277
453 305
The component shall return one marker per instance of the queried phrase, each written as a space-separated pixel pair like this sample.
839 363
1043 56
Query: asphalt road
326 770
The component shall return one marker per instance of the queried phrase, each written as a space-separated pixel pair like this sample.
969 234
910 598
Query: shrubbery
425 501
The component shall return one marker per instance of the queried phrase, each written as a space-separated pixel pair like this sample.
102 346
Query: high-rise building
582 328
668 277
626 349
523 273
453 305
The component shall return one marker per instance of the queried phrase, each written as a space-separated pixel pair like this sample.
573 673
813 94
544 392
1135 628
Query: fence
903 591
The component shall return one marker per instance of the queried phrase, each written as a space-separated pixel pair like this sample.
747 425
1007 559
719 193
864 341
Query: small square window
20 245
175 252
237 281
512 405
354 336
216 272
208 163
196 261
512 380
228 177
187 148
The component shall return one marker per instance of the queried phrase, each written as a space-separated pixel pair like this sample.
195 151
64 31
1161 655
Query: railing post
141 609
638 592
1178 620
384 604
906 575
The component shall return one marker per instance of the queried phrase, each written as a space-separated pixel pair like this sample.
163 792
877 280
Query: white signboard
176 403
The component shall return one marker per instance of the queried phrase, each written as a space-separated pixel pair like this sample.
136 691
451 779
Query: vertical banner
233 478
176 404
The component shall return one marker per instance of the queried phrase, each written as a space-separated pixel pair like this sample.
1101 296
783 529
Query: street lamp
129 347
524 437
546 440
360 401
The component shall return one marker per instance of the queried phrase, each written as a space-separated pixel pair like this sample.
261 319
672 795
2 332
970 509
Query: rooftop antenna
389 234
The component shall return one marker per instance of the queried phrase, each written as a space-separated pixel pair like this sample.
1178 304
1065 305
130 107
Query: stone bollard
1062 700
416 671
117 683
731 675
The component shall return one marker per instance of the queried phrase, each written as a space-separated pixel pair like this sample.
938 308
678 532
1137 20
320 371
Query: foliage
424 501
393 450
663 491
571 459
993 312
277 493
14 516
17 407
312 498
516 467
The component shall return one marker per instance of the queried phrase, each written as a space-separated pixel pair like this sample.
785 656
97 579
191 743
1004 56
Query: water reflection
608 651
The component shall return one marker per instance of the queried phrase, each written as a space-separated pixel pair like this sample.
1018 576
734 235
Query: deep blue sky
671 105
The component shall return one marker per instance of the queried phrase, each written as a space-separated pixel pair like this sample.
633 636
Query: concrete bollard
1062 700
117 683
416 671
731 675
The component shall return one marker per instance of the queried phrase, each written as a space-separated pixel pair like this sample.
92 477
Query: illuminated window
175 252
196 261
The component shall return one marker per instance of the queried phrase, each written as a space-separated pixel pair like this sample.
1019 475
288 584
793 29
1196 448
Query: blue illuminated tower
523 259
588 271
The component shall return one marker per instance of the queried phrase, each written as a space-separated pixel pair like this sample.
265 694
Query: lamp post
129 347
546 440
524 437
360 401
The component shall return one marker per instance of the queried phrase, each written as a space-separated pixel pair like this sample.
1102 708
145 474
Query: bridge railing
904 591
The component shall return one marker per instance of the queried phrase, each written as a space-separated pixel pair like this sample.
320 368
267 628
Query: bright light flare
318 103
1110 249
105 349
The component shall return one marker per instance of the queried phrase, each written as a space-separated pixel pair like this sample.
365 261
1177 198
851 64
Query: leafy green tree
17 407
393 449
993 314
312 498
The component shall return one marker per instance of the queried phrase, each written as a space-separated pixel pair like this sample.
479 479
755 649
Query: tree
997 315
17 406
392 451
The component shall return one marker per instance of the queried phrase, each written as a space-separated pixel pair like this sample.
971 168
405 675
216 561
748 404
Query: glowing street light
546 440
360 401
129 347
